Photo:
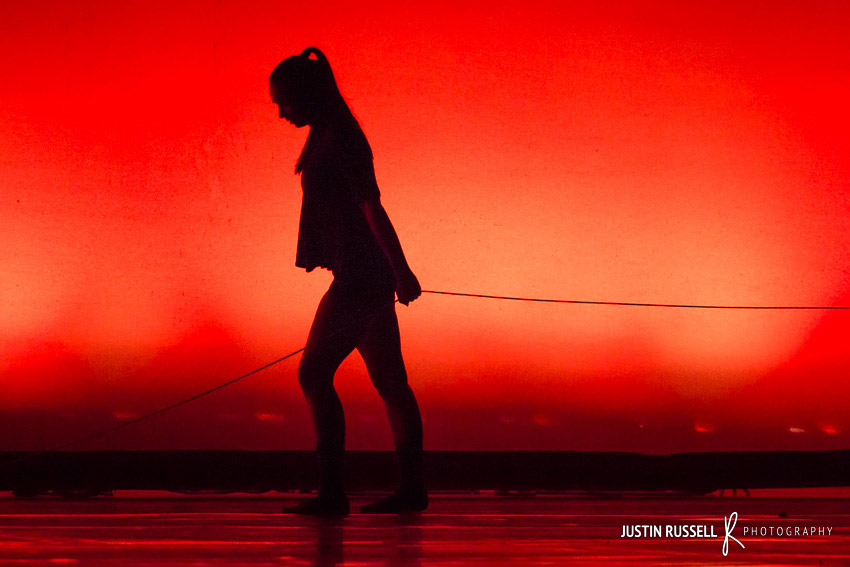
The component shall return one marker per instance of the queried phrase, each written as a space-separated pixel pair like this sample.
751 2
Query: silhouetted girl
344 228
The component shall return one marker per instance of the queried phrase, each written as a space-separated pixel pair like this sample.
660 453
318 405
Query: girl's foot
398 503
321 505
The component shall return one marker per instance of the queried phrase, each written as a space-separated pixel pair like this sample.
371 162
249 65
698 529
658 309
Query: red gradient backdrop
650 151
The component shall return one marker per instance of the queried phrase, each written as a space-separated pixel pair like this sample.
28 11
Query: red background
657 151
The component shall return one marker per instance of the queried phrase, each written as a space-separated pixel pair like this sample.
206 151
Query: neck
332 114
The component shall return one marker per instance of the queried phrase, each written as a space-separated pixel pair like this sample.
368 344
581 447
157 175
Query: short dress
337 176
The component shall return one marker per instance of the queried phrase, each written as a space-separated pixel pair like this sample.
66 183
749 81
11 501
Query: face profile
287 108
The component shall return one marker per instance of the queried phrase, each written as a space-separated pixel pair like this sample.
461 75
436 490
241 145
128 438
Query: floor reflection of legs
408 541
330 547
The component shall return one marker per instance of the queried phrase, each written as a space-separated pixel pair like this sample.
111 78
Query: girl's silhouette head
305 89
307 95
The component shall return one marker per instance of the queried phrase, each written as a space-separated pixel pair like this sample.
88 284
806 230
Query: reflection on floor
133 529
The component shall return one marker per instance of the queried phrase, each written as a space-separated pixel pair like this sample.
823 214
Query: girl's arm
407 286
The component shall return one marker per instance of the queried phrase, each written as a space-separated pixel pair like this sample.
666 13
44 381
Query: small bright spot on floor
270 417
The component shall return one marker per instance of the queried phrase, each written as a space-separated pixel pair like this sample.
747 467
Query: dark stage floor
141 528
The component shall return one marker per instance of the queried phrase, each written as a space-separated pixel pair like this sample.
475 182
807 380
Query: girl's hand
407 287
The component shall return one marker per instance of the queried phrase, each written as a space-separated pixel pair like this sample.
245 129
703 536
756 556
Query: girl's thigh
380 347
337 328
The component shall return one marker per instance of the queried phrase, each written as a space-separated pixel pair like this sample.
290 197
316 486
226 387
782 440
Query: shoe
326 506
398 503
